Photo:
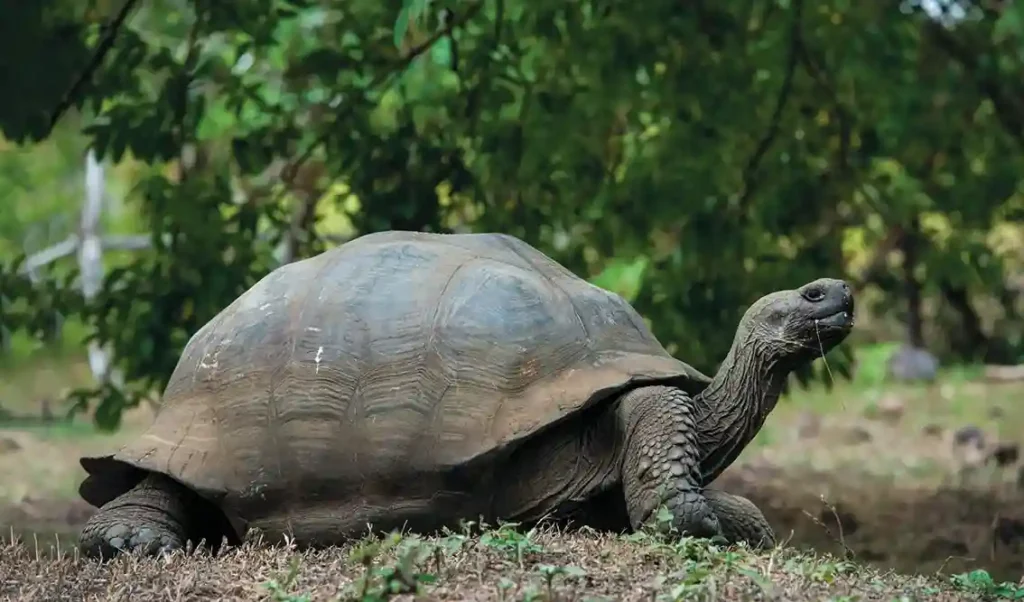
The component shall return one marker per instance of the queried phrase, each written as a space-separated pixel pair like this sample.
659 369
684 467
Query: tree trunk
974 342
910 246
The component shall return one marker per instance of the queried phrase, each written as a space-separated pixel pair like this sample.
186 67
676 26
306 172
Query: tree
691 159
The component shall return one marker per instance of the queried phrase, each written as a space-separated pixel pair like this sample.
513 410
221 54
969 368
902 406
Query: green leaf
401 26
442 52
623 277
1010 24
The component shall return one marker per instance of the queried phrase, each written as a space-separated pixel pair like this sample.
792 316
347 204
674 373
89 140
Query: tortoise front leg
661 460
740 519
150 518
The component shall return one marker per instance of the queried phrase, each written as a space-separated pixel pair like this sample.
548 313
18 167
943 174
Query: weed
550 571
379 583
505 585
981 583
507 539
279 588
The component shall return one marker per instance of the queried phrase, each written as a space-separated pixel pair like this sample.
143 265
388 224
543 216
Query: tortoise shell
394 355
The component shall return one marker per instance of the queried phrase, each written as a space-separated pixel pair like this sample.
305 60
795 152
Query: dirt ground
871 476
498 565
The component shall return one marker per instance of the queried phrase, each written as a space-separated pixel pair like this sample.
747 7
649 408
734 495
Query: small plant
505 585
828 572
981 583
550 571
379 583
279 588
507 539
663 520
451 543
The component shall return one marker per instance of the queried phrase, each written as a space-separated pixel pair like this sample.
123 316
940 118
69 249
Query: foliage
40 190
980 582
690 159
34 307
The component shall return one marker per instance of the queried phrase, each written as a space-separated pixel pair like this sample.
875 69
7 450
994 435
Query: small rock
969 449
839 520
910 364
855 435
808 425
969 435
889 408
8 445
932 430
1004 454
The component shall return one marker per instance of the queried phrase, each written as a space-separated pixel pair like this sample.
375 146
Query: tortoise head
795 326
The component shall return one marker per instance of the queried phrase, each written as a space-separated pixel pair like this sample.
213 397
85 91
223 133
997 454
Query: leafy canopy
691 158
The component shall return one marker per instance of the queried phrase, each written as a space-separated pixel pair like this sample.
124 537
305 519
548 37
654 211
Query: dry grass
866 475
501 564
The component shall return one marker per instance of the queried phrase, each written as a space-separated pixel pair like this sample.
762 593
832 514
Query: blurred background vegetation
690 156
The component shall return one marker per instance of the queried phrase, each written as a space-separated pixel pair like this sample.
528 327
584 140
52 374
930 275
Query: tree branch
775 123
102 49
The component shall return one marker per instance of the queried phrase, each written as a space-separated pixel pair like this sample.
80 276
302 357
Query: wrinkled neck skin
737 402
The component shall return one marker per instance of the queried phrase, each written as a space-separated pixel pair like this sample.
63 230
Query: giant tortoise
411 380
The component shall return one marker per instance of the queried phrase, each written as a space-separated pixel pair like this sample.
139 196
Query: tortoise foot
148 519
741 519
693 516
110 539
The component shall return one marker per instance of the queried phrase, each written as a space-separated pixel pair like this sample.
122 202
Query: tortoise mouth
837 320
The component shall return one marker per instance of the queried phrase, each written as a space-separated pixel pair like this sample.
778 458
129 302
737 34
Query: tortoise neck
742 394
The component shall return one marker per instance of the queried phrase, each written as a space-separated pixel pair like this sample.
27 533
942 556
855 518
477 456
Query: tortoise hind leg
150 518
741 519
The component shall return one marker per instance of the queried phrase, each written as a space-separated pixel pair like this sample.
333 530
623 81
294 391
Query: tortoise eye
814 295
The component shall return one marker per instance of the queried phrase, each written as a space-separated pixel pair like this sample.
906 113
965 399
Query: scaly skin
740 519
150 518
662 455
662 461
675 444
